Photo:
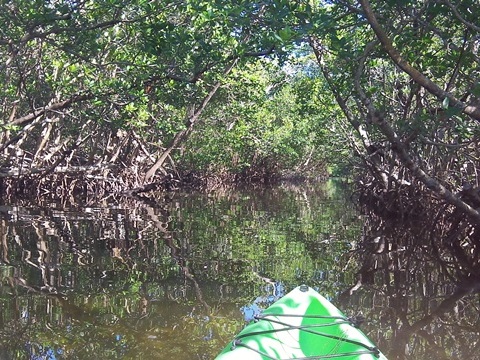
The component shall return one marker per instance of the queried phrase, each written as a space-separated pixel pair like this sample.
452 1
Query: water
177 277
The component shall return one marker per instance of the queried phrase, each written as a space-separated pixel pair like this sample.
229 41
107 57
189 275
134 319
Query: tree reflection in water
419 274
160 278
169 278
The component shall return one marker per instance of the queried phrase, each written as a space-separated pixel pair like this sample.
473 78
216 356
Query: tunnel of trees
129 98
118 96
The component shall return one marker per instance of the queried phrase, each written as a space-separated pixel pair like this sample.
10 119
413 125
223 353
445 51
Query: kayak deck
301 325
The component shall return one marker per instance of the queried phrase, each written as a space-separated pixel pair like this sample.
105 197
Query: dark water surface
175 278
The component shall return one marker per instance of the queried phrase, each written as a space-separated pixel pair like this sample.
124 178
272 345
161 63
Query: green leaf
278 37
285 33
445 103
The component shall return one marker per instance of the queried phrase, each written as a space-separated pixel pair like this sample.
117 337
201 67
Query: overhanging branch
54 107
471 110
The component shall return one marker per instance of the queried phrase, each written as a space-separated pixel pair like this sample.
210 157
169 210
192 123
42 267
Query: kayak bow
301 325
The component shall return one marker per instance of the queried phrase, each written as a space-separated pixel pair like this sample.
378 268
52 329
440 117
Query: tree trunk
192 118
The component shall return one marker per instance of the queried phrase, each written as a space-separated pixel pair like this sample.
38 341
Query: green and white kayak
301 325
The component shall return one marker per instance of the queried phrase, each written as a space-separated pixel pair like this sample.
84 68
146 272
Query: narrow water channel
177 277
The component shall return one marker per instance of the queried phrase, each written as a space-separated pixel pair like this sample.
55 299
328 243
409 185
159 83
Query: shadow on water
178 276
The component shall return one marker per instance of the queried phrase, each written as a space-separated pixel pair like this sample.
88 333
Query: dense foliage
123 93
265 123
111 90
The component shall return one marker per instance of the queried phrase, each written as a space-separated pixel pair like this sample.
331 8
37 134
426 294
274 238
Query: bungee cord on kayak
315 357
302 325
353 320
308 328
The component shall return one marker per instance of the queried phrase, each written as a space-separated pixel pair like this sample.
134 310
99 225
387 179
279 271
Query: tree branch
55 107
191 121
460 18
471 110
